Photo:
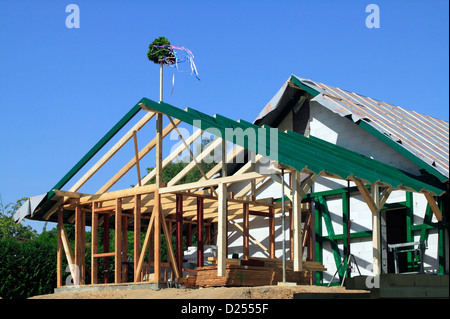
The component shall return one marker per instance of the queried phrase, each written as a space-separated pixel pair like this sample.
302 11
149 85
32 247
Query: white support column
299 191
297 221
222 230
376 231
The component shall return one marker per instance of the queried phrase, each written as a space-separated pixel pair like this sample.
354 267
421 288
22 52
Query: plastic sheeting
28 208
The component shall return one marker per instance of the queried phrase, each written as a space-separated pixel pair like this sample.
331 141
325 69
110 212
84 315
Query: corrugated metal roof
409 132
301 152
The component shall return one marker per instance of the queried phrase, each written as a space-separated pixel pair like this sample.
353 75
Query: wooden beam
137 235
159 137
94 245
271 232
366 195
129 192
145 246
59 258
172 156
170 252
222 230
211 182
249 235
385 195
136 154
246 230
281 183
74 270
200 232
376 230
157 237
179 236
118 242
299 192
106 246
434 207
195 160
147 117
79 241
132 162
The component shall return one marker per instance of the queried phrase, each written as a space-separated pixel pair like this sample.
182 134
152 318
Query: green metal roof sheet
302 152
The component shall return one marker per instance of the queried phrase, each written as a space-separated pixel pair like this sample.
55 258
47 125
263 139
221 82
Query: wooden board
248 276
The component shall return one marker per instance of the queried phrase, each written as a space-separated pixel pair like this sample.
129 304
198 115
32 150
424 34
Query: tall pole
161 82
283 215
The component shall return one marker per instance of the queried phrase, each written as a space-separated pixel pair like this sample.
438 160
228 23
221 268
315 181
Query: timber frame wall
321 213
162 208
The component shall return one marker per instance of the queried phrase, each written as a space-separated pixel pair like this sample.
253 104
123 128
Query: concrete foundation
402 285
110 287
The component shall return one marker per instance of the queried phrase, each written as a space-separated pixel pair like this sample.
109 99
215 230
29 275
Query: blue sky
62 89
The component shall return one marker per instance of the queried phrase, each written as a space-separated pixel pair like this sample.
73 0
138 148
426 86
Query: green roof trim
105 139
303 86
298 151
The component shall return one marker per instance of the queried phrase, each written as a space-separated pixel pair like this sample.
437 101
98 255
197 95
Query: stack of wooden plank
255 272
188 281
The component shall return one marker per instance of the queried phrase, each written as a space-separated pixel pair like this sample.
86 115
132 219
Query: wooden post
297 222
291 234
376 231
105 246
246 222
59 254
179 220
161 82
124 247
137 235
118 242
94 245
157 237
78 244
222 234
200 231
158 163
271 232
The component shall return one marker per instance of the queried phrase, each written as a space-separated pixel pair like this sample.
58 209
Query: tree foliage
8 227
158 52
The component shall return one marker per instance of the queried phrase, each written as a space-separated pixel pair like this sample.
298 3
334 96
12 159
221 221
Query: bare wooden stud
137 235
200 232
59 257
105 246
179 236
94 245
434 207
246 224
118 242
271 232
157 237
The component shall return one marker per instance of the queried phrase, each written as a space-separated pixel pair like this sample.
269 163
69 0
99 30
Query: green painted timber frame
321 213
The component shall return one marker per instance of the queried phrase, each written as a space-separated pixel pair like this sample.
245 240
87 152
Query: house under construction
322 180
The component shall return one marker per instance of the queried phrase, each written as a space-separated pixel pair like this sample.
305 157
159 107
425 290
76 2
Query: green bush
27 268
